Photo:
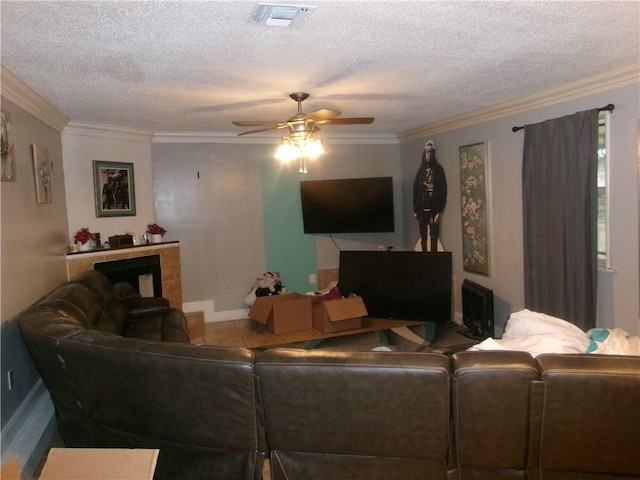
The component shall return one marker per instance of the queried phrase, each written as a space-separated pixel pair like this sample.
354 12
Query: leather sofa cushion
165 327
197 404
491 413
141 306
590 422
327 411
98 283
73 302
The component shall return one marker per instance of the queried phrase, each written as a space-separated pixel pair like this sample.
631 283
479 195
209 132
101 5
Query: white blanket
613 342
538 333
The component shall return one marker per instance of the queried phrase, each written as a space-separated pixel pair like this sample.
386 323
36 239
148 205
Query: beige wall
34 236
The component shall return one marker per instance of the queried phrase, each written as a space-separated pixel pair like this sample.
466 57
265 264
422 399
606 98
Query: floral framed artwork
42 173
475 208
114 189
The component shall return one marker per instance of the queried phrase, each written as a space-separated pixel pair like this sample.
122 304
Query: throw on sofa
217 413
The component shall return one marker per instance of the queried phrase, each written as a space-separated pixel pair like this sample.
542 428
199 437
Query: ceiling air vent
278 15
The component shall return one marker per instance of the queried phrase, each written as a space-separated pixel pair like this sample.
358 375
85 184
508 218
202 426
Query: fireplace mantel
169 252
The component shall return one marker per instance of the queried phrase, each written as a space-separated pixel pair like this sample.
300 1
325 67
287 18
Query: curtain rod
608 108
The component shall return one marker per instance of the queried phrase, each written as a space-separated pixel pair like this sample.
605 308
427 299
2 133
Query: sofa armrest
138 307
170 326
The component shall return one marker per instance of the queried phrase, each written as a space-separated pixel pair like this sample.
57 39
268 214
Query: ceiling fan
302 123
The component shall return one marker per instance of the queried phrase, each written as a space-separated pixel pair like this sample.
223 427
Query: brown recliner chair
355 416
491 407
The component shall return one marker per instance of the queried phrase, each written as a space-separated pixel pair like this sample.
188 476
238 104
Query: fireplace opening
144 273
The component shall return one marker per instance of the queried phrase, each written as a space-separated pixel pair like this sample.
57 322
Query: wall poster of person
429 198
114 189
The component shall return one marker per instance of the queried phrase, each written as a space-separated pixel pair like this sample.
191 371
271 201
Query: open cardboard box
286 313
335 315
100 464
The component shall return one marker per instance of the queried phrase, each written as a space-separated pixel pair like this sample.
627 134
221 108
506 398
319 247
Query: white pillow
560 335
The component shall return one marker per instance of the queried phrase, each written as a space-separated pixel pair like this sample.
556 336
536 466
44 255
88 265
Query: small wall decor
6 149
475 208
114 189
42 172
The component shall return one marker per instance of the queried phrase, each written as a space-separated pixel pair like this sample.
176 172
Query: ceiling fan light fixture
303 148
313 148
287 151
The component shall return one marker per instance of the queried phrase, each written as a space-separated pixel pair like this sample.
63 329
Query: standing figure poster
475 208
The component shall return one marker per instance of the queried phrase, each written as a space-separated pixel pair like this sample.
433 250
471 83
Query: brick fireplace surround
169 252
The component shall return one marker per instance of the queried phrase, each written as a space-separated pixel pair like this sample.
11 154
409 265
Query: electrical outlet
312 278
10 379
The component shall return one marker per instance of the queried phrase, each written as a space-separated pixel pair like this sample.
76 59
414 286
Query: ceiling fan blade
321 115
273 127
348 121
259 123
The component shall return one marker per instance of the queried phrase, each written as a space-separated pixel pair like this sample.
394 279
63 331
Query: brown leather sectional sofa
219 412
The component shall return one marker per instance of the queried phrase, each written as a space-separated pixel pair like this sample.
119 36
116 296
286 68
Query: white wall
208 196
79 149
353 161
619 289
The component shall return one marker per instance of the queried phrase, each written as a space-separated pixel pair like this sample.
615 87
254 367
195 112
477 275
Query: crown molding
210 137
110 132
267 139
18 92
621 77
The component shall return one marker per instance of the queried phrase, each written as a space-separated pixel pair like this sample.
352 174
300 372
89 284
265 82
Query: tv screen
477 310
399 285
350 205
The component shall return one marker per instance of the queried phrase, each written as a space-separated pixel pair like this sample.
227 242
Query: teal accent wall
287 249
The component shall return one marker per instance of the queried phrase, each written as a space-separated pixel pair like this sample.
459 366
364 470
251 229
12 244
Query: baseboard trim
30 430
207 307
229 315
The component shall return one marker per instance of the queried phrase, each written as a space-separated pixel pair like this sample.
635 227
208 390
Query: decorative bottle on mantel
156 231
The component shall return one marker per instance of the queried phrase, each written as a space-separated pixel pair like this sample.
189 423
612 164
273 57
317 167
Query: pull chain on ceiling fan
303 140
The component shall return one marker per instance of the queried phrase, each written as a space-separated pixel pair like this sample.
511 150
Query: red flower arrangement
155 229
83 236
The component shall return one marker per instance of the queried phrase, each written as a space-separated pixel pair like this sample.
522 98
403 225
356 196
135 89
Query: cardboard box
10 470
286 313
100 464
337 315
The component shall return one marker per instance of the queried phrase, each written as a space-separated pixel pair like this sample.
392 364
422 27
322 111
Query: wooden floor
248 333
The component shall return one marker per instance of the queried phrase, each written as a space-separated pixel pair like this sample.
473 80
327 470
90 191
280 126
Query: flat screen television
348 205
477 310
399 285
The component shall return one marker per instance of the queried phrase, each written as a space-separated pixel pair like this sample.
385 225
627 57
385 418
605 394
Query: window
603 191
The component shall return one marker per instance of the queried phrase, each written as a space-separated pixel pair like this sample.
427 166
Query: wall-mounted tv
349 205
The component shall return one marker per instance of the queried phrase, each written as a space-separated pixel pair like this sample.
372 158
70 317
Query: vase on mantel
84 247
156 238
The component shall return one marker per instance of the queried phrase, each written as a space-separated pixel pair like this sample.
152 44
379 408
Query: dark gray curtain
559 175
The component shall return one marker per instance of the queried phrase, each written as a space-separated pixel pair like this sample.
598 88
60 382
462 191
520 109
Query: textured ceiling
193 66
